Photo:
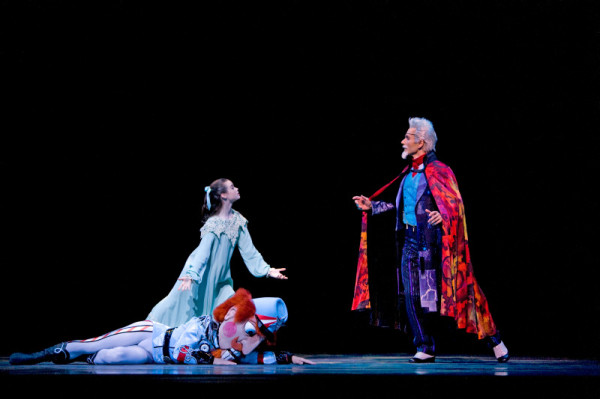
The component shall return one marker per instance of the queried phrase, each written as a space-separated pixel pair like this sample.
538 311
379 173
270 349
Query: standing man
431 236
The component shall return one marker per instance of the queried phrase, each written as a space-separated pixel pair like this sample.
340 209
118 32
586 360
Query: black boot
56 354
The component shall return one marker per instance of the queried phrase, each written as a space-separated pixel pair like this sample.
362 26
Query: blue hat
271 313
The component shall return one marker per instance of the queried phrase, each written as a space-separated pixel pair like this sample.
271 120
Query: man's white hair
424 132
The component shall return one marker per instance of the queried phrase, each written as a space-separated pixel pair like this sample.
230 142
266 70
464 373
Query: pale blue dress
209 266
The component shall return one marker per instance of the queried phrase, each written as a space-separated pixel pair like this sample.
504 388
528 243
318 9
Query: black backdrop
118 113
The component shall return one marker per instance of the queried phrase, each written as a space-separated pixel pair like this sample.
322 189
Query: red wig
242 300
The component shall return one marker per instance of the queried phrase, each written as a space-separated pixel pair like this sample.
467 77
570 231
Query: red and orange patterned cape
461 296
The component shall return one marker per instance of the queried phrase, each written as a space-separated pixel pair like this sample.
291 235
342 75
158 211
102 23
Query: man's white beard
404 154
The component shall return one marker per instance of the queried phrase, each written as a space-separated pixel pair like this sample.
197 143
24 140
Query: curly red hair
242 300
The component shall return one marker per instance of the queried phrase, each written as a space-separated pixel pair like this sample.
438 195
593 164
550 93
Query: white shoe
422 357
501 352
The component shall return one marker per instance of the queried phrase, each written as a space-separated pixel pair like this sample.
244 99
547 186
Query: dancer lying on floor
231 335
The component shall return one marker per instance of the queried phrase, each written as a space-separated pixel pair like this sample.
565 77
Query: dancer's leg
132 334
135 354
66 352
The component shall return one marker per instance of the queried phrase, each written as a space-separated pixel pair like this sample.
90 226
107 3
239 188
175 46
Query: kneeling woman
205 281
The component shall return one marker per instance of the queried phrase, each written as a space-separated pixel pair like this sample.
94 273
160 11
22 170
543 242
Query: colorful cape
362 299
461 297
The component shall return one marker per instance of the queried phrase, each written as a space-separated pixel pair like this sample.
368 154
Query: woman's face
231 192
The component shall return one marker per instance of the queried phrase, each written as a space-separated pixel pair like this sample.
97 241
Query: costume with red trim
235 331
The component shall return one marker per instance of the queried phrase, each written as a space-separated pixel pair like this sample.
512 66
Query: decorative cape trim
231 227
362 299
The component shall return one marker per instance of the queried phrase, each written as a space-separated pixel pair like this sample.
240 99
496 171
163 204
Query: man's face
242 336
409 144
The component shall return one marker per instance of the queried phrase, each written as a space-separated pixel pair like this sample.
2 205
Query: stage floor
372 375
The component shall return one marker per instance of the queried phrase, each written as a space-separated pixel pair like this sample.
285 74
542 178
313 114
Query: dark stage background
117 113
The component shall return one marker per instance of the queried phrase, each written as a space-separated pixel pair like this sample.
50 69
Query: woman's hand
186 284
276 273
301 360
218 360
362 202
